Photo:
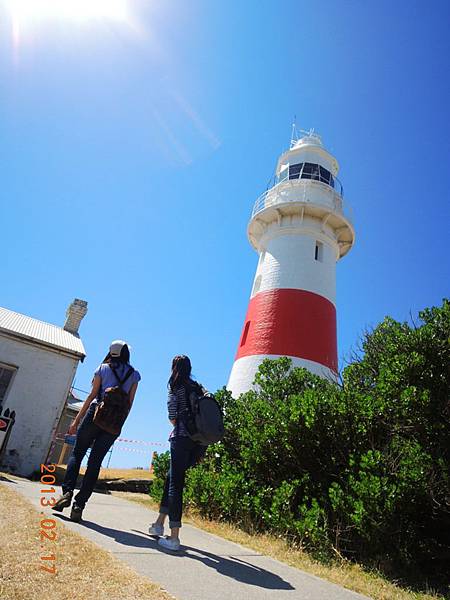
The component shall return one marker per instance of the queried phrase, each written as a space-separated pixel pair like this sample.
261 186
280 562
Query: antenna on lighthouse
294 132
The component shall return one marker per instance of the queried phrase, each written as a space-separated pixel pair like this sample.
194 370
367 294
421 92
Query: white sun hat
116 347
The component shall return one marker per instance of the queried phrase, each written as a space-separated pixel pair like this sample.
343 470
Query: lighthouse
300 227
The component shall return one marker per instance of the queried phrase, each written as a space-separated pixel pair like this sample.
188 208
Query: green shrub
161 463
361 468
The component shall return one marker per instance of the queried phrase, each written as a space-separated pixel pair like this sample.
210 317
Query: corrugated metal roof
35 330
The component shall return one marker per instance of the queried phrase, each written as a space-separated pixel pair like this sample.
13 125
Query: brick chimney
74 315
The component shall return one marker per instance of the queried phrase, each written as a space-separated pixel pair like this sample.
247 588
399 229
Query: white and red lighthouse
300 229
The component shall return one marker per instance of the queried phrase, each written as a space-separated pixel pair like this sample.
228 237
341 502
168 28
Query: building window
6 375
318 253
245 333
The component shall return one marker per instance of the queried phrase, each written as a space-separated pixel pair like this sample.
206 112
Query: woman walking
115 371
184 453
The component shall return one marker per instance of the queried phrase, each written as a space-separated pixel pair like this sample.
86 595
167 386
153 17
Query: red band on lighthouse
290 322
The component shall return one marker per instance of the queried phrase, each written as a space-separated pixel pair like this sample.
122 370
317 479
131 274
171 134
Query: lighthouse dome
307 149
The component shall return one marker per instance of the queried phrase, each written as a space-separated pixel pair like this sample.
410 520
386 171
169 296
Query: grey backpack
203 417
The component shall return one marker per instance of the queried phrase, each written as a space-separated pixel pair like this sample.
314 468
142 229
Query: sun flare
26 14
77 10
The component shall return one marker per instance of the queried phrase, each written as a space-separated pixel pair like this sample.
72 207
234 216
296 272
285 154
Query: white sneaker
156 529
169 543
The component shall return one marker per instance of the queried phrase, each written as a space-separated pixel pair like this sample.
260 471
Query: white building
38 362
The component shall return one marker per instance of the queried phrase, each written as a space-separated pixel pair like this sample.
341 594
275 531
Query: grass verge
349 575
111 473
84 571
122 473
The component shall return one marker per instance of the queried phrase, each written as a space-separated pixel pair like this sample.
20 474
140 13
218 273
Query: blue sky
133 151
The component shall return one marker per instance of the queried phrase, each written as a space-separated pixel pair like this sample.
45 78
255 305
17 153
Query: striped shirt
176 404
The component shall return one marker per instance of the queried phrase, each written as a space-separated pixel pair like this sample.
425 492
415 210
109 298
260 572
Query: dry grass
122 473
84 571
111 473
349 575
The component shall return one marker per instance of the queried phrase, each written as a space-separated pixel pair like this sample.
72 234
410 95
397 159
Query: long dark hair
181 372
124 357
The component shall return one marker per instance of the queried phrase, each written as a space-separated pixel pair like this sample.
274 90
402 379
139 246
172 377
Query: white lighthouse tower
300 229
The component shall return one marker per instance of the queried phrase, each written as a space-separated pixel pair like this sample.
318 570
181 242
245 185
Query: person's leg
184 454
103 442
179 462
157 528
164 505
85 435
196 455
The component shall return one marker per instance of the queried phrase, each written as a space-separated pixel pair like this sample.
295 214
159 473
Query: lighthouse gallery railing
295 190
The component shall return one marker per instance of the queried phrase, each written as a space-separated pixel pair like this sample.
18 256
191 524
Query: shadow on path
230 566
238 569
3 478
121 537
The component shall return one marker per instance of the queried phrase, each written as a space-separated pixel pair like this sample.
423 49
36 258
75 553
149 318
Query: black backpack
203 416
113 409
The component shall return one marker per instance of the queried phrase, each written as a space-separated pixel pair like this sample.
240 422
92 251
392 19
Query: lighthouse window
245 333
310 171
326 176
318 254
294 171
284 172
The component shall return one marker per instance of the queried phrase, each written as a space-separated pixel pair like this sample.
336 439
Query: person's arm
132 393
94 392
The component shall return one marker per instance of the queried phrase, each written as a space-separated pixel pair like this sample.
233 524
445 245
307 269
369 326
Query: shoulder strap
198 388
130 372
121 381
192 386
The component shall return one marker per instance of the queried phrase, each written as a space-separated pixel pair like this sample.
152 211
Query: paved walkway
207 567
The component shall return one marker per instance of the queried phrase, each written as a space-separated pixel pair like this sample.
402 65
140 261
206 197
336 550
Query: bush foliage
360 468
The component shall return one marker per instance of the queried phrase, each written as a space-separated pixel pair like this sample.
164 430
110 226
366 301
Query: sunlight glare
80 10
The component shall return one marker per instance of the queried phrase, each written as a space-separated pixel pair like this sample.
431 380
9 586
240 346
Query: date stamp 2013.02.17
47 527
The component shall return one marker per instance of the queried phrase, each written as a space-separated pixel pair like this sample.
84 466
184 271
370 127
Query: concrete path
207 567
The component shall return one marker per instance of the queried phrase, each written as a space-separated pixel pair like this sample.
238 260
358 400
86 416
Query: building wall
38 393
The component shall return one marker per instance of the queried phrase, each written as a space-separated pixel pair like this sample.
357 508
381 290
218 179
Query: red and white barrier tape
125 440
138 450
142 442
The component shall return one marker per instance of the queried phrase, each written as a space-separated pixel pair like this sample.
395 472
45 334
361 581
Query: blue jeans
184 453
88 433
